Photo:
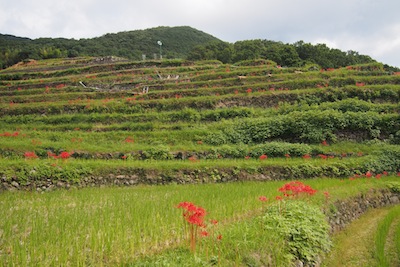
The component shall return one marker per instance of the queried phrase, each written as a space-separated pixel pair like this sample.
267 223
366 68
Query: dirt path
355 245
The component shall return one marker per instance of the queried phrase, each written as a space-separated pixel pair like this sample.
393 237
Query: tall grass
114 226
381 237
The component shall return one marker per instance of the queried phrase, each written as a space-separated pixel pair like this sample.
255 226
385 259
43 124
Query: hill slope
179 121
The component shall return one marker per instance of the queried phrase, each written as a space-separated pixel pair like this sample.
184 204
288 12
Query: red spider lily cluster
194 217
63 155
324 143
193 159
369 175
296 188
360 84
129 140
263 157
193 214
30 155
8 134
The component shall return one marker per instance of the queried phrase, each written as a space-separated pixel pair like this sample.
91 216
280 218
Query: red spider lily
385 173
263 156
322 156
398 174
324 143
296 188
236 92
30 155
249 90
124 157
219 237
199 142
306 156
287 156
378 176
278 198
368 174
204 233
214 222
247 157
194 216
64 155
193 159
8 134
129 140
360 84
263 198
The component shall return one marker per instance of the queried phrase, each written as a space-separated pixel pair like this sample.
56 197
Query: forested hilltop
177 42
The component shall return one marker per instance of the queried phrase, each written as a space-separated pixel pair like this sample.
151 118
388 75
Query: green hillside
177 42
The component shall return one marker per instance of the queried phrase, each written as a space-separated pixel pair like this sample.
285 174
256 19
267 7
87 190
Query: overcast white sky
371 27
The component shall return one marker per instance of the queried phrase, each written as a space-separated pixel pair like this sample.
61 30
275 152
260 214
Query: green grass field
124 226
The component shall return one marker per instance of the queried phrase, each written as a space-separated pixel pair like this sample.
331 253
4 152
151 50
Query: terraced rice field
87 122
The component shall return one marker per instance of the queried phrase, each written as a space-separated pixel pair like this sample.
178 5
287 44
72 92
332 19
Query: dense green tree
248 49
217 50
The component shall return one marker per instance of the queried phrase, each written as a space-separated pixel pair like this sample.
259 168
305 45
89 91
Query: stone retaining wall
343 212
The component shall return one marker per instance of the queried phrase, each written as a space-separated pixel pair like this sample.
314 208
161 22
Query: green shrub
280 149
394 187
25 173
302 226
216 139
386 159
159 152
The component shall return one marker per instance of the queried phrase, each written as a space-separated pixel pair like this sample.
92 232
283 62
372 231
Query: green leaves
301 225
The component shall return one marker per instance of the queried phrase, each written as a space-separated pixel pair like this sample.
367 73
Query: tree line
290 55
177 42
